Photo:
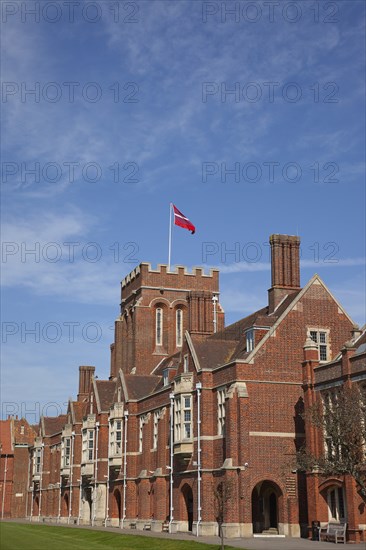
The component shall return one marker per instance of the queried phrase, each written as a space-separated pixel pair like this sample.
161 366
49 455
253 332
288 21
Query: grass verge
20 536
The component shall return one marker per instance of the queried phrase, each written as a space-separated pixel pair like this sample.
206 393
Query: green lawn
19 536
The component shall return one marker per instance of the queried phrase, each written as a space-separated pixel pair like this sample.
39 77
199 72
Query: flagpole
170 235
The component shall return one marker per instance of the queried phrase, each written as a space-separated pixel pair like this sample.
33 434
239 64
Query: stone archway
266 501
188 505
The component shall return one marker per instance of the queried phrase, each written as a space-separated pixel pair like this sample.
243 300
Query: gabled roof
285 308
229 344
76 409
104 393
28 435
212 353
168 362
137 386
6 440
52 425
236 330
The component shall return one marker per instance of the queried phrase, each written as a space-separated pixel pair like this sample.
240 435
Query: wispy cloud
58 256
246 267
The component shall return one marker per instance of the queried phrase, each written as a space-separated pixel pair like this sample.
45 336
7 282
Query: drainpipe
28 481
95 473
4 486
59 499
171 513
214 301
80 499
199 519
71 474
107 476
40 483
124 469
32 495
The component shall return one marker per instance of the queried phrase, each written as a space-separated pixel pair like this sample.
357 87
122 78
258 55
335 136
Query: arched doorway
273 517
88 499
117 505
265 507
65 507
188 503
36 506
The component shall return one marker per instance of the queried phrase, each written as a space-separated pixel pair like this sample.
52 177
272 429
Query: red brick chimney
85 377
285 263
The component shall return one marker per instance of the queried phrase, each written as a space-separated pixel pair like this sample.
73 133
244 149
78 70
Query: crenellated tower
157 307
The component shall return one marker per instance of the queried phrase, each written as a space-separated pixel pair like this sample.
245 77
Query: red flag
181 220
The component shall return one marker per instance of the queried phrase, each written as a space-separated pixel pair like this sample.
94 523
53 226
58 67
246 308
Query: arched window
179 327
336 508
159 327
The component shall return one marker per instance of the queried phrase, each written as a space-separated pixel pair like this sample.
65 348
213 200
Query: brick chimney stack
285 263
85 378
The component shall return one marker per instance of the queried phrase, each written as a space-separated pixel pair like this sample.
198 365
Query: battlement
161 276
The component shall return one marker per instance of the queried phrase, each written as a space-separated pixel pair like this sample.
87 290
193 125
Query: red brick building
336 498
193 408
16 439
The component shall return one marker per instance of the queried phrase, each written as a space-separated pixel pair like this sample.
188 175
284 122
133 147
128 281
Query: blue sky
249 116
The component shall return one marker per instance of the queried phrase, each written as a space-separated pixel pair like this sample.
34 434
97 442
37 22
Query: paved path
263 543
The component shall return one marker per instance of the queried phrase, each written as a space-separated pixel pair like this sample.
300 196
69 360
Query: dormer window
250 340
185 363
165 377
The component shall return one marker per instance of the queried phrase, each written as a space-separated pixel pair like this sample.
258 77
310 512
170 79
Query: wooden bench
165 527
133 525
147 527
333 531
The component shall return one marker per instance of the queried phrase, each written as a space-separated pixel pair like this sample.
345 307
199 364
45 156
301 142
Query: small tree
223 492
342 419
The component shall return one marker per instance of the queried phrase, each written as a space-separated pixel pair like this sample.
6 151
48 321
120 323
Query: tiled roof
6 442
259 318
236 330
77 408
169 362
139 386
106 390
28 435
54 424
212 353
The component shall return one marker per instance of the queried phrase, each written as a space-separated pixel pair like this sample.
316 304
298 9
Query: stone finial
310 344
